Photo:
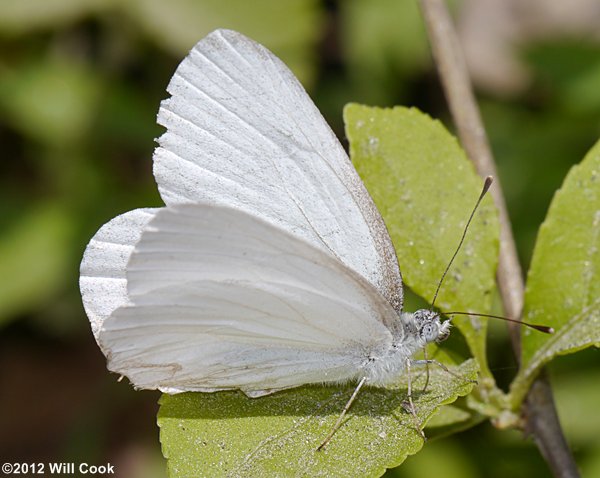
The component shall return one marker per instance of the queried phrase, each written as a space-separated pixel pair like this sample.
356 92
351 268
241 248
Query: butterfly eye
429 333
443 335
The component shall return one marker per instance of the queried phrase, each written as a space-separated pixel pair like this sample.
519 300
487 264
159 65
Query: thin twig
540 423
541 419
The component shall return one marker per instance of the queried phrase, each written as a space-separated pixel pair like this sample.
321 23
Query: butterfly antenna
486 185
541 328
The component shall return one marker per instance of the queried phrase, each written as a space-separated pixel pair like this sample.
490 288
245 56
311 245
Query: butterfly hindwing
220 299
102 282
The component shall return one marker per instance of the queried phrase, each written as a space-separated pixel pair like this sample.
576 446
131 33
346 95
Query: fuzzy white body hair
418 329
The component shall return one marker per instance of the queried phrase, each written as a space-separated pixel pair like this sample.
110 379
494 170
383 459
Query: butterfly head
430 327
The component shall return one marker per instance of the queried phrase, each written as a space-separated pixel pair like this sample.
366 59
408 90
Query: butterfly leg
426 370
426 362
410 406
343 414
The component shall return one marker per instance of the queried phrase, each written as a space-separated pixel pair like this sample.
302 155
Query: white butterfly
270 266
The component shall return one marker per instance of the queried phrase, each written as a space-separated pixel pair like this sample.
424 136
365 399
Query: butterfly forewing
242 132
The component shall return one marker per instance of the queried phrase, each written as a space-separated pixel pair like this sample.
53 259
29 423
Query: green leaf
449 415
563 284
425 189
229 434
179 24
451 419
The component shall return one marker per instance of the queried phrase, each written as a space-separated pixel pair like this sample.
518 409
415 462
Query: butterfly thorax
418 329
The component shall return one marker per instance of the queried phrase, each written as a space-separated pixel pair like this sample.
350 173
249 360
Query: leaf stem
540 416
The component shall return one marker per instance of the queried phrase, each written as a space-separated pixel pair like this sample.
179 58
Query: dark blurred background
80 85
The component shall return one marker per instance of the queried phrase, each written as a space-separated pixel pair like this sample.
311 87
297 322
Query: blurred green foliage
80 84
